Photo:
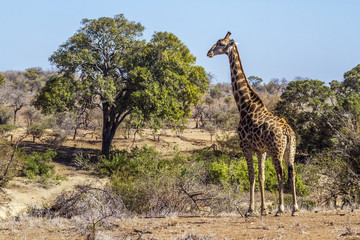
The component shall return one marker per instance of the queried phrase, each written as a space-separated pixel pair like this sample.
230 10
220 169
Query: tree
306 107
341 163
352 79
216 92
33 76
109 67
14 92
37 130
255 81
17 99
33 73
348 95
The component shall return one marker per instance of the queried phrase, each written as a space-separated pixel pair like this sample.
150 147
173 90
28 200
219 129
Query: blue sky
319 39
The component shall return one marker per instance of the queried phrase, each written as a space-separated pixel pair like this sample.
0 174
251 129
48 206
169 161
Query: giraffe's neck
246 99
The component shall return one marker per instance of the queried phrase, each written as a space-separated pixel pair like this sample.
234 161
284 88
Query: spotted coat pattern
259 130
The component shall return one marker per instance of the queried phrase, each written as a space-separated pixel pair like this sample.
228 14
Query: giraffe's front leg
249 161
261 163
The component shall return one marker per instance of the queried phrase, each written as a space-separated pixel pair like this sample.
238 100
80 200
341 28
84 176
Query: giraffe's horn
227 35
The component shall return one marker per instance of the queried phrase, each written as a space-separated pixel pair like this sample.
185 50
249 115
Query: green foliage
6 128
143 177
157 81
2 79
307 204
351 79
228 143
326 121
36 130
58 95
33 73
215 92
173 83
9 162
228 99
255 81
138 174
227 169
218 172
348 95
305 105
5 115
209 100
125 165
37 166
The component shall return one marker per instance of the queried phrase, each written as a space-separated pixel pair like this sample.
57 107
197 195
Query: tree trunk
16 109
107 138
111 121
109 129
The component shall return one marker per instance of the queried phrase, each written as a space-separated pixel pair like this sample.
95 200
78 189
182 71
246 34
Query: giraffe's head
222 46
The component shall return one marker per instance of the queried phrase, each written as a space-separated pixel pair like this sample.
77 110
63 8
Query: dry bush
57 137
89 207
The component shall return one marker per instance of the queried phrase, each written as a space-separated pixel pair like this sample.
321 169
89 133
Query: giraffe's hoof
249 213
278 214
294 214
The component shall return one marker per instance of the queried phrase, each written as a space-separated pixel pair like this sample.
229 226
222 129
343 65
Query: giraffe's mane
256 97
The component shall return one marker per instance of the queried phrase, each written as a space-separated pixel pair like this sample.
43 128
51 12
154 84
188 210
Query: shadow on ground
65 154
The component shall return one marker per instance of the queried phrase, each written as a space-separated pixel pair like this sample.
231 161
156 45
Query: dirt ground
308 225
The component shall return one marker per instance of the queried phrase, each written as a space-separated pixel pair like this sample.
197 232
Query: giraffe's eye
221 44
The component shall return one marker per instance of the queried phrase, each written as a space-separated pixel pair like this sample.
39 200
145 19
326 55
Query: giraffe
259 130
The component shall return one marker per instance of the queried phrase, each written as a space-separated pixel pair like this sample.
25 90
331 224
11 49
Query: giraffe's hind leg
277 161
289 159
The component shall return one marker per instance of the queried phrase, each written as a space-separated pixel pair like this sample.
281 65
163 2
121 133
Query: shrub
141 177
5 115
36 130
228 143
219 172
9 162
89 208
6 128
151 184
230 169
37 166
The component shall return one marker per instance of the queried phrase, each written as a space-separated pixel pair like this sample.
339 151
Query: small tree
5 115
37 130
216 92
255 81
32 115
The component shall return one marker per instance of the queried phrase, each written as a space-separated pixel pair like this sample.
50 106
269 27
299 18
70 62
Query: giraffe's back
266 133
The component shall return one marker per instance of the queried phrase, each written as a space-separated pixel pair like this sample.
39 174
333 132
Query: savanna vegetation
110 81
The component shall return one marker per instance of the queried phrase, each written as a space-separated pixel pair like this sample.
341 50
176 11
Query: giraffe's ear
227 35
